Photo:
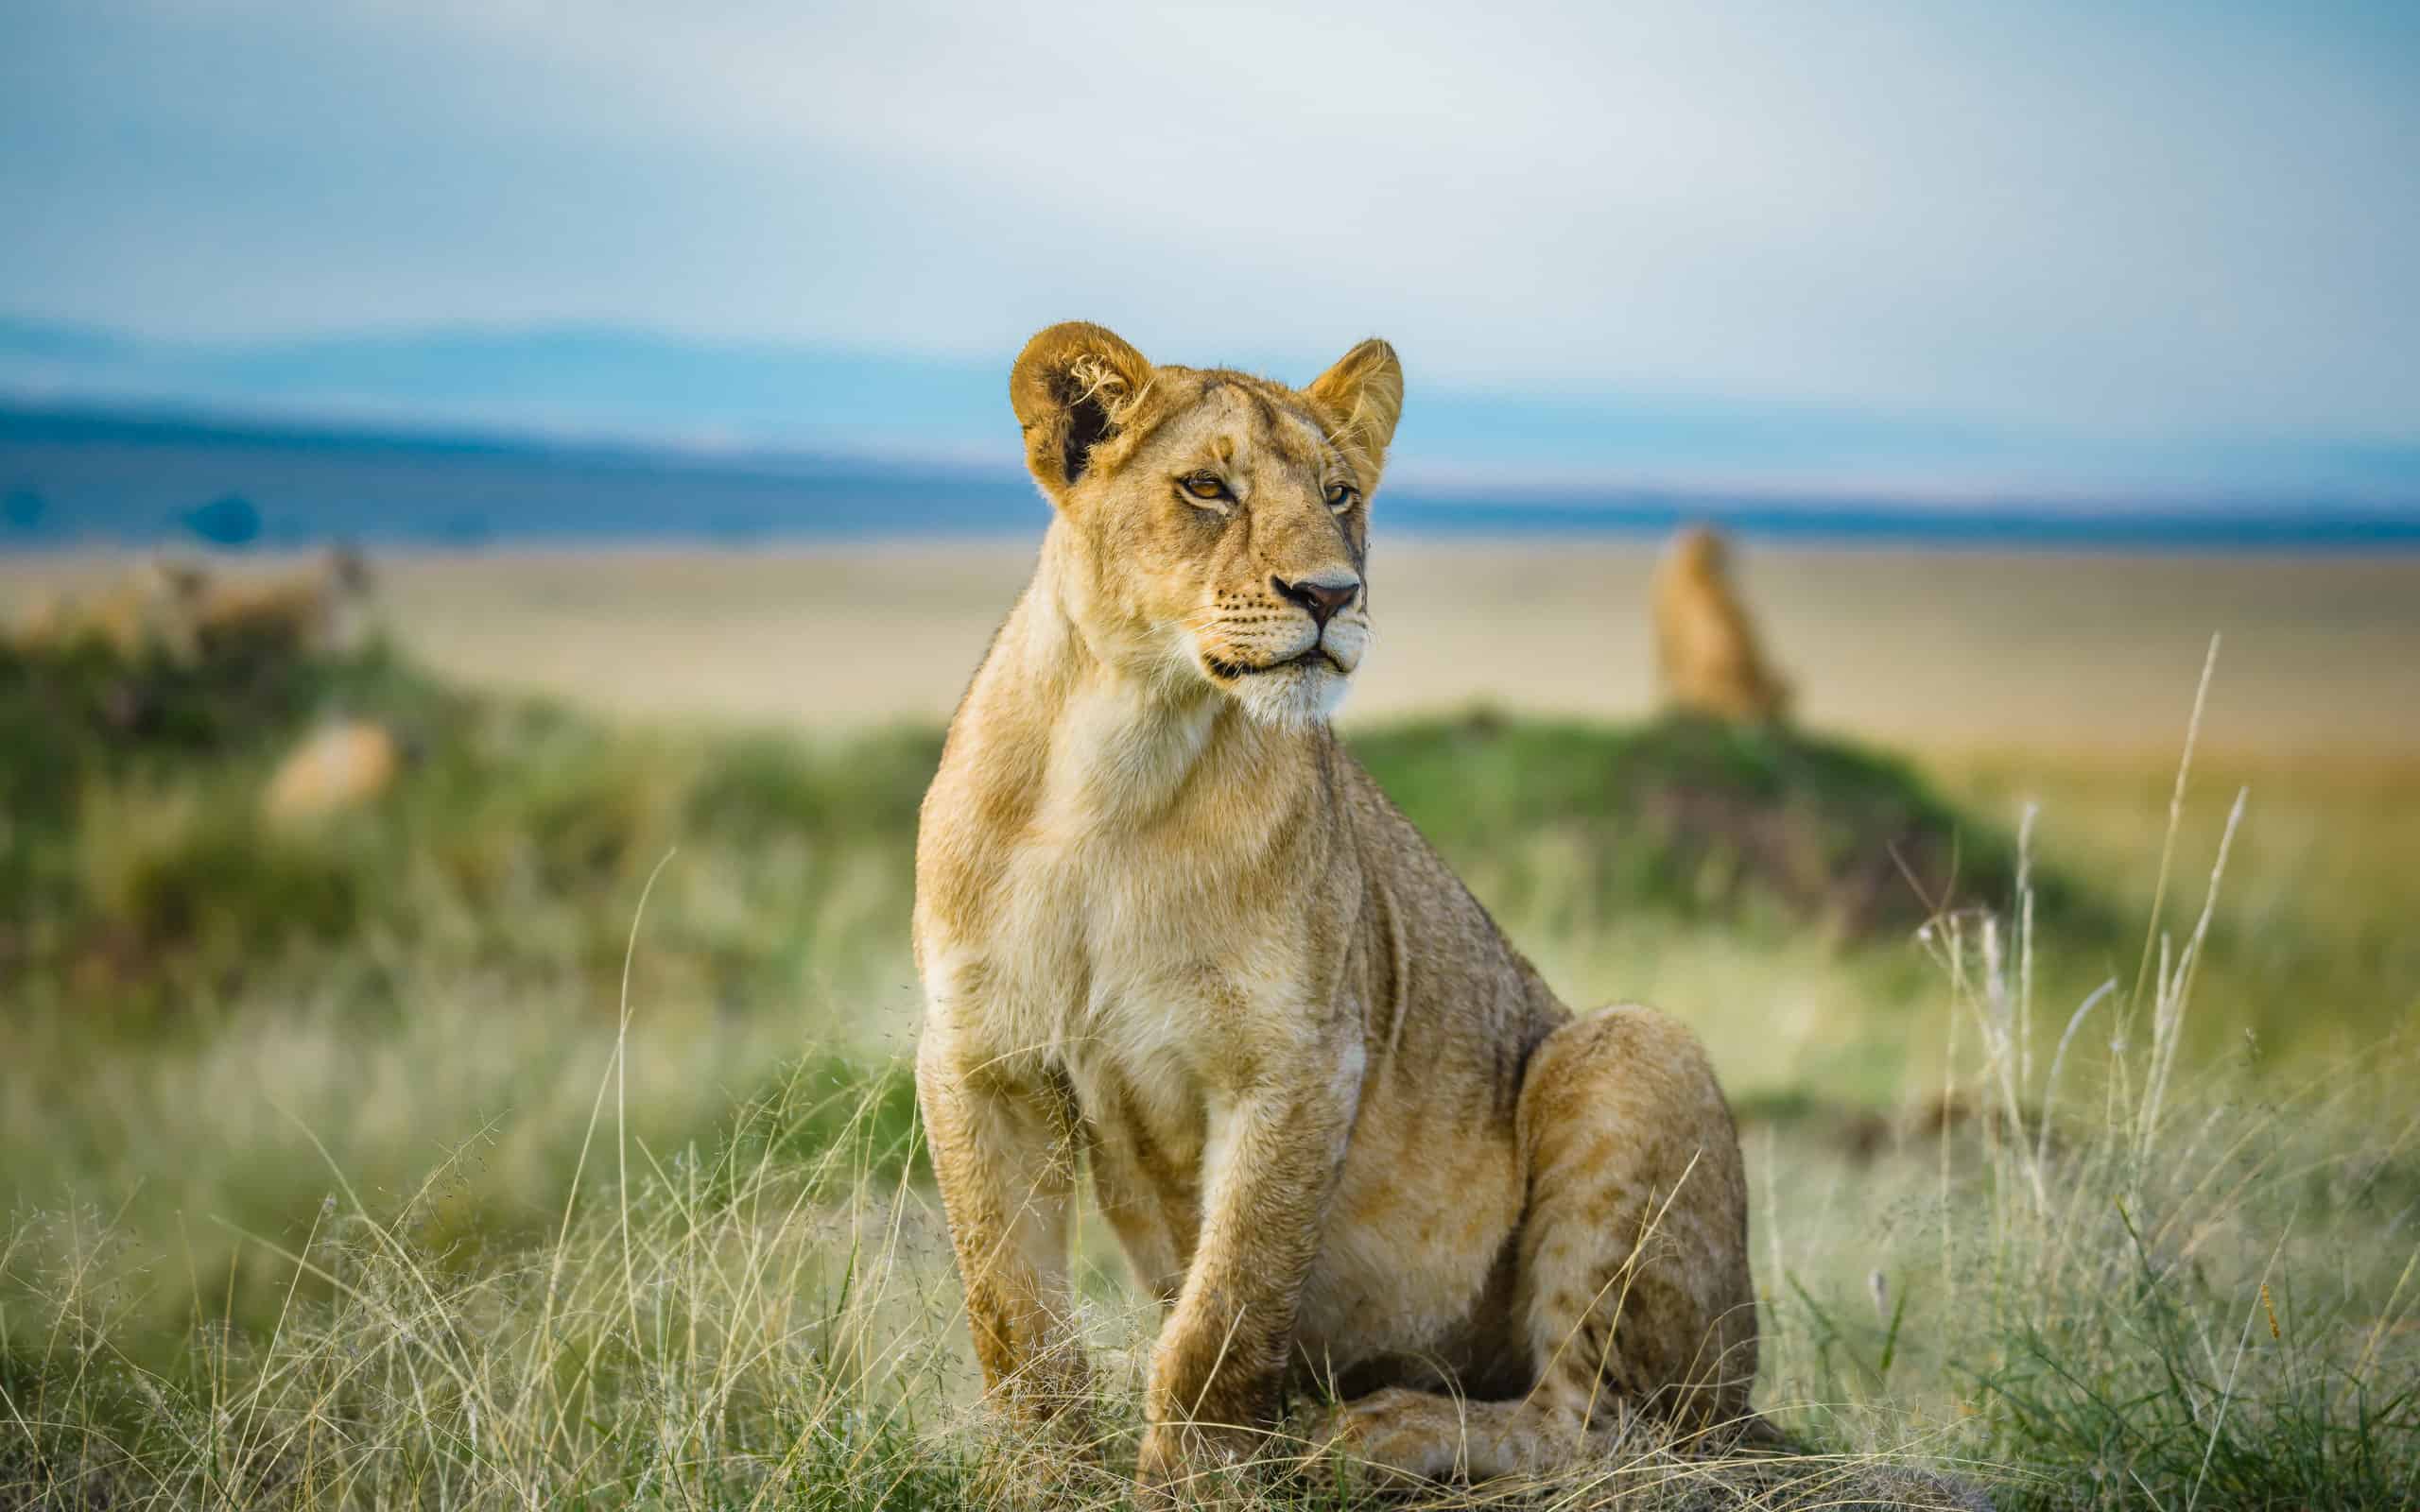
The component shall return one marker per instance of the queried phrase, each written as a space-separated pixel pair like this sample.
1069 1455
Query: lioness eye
1338 495
1205 485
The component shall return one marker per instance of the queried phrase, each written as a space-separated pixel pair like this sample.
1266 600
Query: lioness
1707 650
147 612
304 610
1167 928
184 611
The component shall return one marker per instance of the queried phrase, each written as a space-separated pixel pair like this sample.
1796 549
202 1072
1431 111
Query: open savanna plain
540 1133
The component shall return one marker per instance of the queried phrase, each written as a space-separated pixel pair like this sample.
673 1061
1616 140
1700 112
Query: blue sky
1944 246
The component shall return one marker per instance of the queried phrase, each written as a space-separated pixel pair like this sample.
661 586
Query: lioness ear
1073 387
1364 393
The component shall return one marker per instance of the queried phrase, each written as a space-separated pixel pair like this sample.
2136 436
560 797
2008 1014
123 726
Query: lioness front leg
1003 1143
1272 1159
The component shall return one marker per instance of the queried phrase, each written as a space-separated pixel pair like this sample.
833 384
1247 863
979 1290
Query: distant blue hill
84 475
575 380
612 384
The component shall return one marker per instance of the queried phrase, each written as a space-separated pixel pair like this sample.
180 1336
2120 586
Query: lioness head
1219 521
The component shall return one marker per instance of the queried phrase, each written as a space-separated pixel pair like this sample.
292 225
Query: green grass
407 1162
1701 819
140 847
144 882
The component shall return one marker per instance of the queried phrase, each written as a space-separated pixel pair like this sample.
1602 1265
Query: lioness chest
1149 993
1144 985
1133 902
1143 991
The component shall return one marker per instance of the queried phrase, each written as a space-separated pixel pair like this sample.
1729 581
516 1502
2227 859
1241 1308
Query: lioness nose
1321 598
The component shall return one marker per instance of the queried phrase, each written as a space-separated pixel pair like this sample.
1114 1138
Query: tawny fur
301 610
1706 648
147 612
182 611
1172 932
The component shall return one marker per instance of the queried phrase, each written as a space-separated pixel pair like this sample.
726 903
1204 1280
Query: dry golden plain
2087 656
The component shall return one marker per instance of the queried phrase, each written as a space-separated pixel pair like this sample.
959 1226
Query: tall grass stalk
2099 1279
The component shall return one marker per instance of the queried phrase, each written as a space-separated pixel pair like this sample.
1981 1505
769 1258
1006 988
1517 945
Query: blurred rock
338 768
229 521
1706 651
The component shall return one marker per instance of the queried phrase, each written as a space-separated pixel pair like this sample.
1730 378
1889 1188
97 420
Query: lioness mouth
1235 669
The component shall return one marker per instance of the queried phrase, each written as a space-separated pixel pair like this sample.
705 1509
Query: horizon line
25 416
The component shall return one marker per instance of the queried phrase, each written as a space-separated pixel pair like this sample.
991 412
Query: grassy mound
138 871
1703 818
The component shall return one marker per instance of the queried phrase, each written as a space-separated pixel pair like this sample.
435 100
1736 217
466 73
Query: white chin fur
1295 699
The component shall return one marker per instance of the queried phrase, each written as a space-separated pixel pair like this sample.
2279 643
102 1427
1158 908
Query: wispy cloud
2094 221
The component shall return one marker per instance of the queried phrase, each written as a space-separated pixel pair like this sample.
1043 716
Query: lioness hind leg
1426 1435
1633 1276
1632 1280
